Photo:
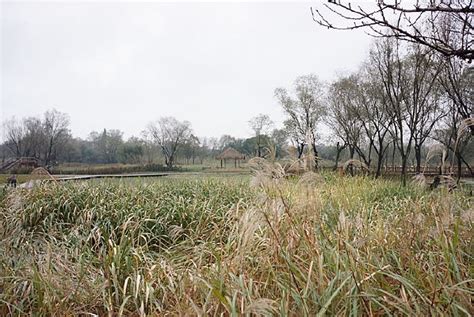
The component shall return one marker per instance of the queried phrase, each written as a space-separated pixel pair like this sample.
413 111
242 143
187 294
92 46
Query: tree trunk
393 155
170 161
300 150
369 158
316 158
459 172
338 154
48 154
404 169
418 158
351 156
379 165
258 146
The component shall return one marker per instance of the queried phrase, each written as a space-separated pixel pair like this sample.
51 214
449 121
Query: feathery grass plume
262 307
244 233
467 216
264 171
38 176
42 171
311 178
270 152
463 127
310 158
448 182
419 180
259 165
294 166
433 151
355 163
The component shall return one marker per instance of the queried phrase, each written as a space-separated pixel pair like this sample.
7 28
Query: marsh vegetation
271 245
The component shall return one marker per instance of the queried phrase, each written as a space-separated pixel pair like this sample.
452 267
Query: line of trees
426 90
400 102
405 97
43 138
166 141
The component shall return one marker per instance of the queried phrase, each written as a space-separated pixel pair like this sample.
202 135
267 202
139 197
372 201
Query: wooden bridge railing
411 170
427 170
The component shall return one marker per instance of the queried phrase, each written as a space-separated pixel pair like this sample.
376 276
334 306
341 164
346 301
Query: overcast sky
122 65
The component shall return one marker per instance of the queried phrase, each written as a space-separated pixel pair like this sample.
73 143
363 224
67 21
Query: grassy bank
316 245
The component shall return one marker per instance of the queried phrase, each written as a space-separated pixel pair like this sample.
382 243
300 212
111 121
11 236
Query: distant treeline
31 137
405 106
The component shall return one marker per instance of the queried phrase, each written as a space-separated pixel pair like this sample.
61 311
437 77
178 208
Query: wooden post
235 163
221 163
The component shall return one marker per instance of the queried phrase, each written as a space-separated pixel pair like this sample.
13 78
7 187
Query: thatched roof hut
230 154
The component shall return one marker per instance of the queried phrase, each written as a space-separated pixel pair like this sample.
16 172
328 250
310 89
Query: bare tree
386 59
56 132
458 84
358 115
339 148
296 137
410 90
447 135
279 138
445 26
304 111
261 125
421 96
150 148
371 112
169 134
342 115
14 132
34 140
38 138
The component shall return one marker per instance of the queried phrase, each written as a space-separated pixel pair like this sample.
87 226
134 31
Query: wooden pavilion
230 154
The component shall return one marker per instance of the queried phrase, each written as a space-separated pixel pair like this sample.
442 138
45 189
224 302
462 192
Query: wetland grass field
236 245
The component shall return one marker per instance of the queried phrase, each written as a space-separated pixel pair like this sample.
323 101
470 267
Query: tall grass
315 245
